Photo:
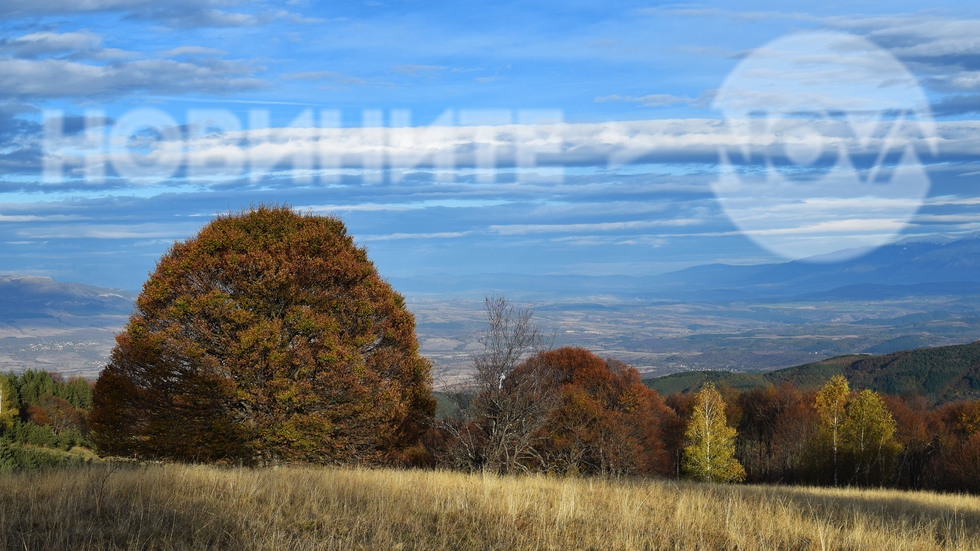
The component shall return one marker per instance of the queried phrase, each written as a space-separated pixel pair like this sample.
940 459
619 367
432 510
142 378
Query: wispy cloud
106 231
400 236
416 70
50 65
331 76
663 100
55 78
521 229
192 51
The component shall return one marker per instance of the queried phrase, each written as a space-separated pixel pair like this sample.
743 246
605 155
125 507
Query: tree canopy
269 336
607 421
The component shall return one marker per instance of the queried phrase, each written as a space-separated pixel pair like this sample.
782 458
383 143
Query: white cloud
24 8
39 218
674 141
34 45
48 78
173 12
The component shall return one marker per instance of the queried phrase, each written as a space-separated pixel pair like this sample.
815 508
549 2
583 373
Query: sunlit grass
196 507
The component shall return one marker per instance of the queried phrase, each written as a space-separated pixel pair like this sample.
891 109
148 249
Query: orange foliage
57 413
607 421
269 336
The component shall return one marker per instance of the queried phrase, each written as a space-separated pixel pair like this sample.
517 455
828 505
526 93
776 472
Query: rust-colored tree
267 337
957 465
57 413
918 431
607 421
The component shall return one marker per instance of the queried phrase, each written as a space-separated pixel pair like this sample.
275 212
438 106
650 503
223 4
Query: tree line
567 411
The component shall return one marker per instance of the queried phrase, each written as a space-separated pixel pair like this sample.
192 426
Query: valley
660 338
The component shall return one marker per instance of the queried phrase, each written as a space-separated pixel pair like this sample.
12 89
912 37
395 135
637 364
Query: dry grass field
196 507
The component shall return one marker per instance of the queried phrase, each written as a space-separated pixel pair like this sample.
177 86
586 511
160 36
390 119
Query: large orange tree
267 337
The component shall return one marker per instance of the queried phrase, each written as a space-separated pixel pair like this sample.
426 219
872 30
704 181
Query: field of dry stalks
196 507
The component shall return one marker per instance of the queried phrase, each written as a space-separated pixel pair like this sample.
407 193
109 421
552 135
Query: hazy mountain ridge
941 374
57 326
899 264
906 268
39 297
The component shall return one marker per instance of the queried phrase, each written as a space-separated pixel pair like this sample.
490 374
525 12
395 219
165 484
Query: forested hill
941 374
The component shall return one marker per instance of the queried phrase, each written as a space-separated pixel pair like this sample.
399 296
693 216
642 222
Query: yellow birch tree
710 454
869 436
831 404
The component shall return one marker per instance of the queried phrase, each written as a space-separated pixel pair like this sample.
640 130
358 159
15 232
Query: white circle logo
826 130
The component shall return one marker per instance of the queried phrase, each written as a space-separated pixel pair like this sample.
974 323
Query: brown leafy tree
57 413
793 434
917 432
607 421
762 409
267 337
673 426
775 431
957 464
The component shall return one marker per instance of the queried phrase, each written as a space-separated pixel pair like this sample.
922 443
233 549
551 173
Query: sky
524 137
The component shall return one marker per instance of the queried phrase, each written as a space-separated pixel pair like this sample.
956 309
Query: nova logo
827 133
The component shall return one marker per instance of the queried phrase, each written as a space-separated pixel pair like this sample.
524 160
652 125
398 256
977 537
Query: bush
17 457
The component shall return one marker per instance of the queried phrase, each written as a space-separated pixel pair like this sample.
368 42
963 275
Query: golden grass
196 507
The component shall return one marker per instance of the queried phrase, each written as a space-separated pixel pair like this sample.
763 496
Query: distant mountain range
900 296
913 268
31 297
910 268
941 374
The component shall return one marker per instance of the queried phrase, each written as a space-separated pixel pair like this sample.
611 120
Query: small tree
710 454
9 402
502 408
831 404
269 336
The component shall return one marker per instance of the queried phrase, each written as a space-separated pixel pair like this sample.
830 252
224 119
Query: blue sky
634 83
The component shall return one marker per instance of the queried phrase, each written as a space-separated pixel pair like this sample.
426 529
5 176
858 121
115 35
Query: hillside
941 374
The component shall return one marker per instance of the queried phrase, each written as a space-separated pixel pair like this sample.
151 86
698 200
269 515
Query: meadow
174 506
